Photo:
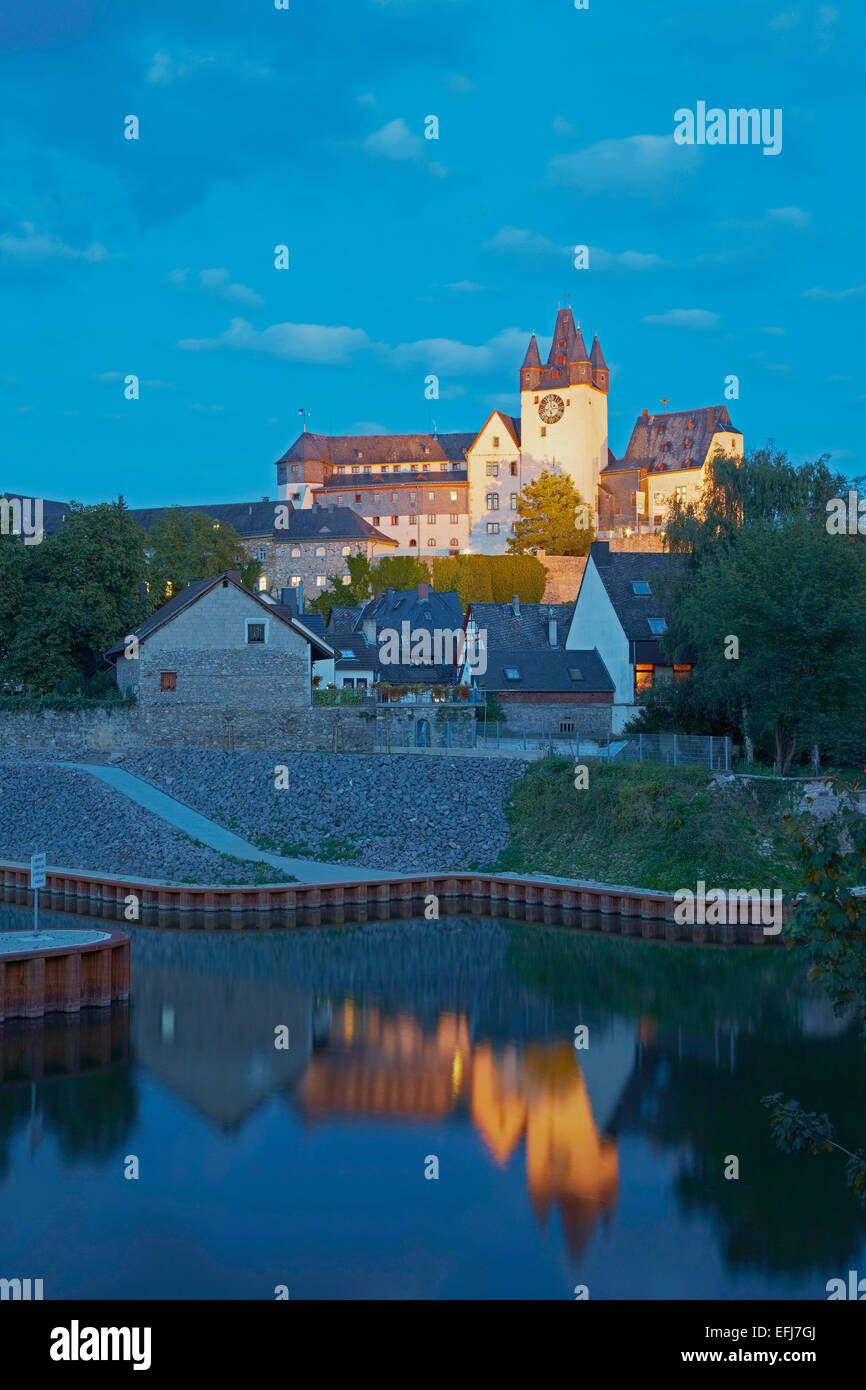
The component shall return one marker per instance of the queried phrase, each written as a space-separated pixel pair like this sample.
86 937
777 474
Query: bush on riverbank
650 826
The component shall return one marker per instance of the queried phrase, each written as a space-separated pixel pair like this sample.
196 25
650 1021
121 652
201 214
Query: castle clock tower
563 411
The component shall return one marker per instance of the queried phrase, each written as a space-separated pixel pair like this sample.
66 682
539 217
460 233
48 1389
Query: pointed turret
532 370
579 368
600 373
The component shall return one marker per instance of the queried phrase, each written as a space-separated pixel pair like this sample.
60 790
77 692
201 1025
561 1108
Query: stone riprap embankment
408 814
82 824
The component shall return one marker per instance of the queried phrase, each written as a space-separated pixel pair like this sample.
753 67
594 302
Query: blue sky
409 256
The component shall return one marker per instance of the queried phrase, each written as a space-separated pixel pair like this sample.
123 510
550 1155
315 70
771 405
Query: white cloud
635 165
563 127
520 241
395 140
795 217
164 69
818 293
684 318
624 260
775 332
460 84
292 342
448 355
220 282
33 246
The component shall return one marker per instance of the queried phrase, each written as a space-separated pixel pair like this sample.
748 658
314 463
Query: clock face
551 409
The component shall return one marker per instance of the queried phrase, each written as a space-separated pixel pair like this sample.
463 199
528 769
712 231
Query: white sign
37 870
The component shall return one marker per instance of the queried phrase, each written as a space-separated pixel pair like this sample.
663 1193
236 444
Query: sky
411 256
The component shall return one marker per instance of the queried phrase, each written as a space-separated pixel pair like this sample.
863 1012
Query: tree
490 578
98 559
46 652
552 517
774 622
190 545
365 580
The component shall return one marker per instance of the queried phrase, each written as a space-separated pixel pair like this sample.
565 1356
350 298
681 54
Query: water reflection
453 1038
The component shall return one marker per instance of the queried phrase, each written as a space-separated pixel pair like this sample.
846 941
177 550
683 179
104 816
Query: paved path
207 832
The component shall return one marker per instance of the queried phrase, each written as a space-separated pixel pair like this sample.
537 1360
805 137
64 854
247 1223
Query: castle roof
678 439
378 448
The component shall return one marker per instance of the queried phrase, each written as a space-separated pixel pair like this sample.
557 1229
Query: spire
597 356
533 356
563 336
578 346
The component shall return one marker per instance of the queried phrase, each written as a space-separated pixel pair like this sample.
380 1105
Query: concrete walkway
216 837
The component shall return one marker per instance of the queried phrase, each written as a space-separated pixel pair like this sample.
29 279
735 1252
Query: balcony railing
443 695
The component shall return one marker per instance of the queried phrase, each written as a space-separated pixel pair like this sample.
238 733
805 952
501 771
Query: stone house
398 637
622 611
216 644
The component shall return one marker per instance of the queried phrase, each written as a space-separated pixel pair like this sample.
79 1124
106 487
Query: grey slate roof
378 448
253 520
193 591
528 632
619 570
398 606
546 671
358 482
342 618
652 432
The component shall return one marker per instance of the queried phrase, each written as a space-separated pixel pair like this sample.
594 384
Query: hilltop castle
436 494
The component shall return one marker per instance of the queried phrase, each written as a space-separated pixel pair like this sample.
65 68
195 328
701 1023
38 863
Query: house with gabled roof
622 612
216 644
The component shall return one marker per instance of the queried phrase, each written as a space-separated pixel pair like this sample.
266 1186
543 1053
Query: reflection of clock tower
563 410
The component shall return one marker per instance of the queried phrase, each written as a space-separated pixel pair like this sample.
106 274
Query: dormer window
691 424
641 586
657 626
512 673
560 357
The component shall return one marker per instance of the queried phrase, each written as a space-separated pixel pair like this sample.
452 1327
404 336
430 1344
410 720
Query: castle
437 494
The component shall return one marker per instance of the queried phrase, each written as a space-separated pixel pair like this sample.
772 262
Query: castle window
543 431
376 520
295 581
680 494
431 543
395 521
453 494
355 468
342 468
454 542
346 550
514 468
496 441
493 470
262 553
393 497
691 424
555 373
535 400
320 581
493 528
168 680
296 552
566 726
514 501
454 518
359 453
294 468
320 550
413 520
560 358
431 518
347 579
493 502
413 542
357 496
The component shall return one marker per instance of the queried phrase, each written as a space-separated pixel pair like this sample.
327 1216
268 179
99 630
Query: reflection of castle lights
457 1072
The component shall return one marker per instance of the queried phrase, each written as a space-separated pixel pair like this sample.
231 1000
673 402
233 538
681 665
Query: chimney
142 593
645 413
299 590
287 598
423 591
551 629
234 574
265 498
515 605
600 552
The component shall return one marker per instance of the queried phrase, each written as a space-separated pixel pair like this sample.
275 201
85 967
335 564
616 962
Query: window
431 496
453 494
168 680
294 468
496 441
426 448
262 553
444 467
682 673
342 468
535 400
384 468
493 528
366 468
169 590
296 552
575 673
431 518
376 520
346 550
493 470
632 497
454 518
395 520
347 652
349 682
512 673
355 468
643 679
657 626
413 520
262 583
320 550
255 632
375 496
361 683
543 431
413 542
412 496
514 468
514 501
566 726
393 497
347 579
431 543
680 494
425 468
296 579
338 501
454 542
493 502
320 581
640 586
357 496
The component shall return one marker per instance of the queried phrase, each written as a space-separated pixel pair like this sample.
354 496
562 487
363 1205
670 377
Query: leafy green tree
775 624
50 645
191 545
490 578
17 574
365 580
552 517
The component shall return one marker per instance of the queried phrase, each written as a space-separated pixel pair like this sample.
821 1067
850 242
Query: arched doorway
422 733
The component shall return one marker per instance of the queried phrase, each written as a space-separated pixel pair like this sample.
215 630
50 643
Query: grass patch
651 826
